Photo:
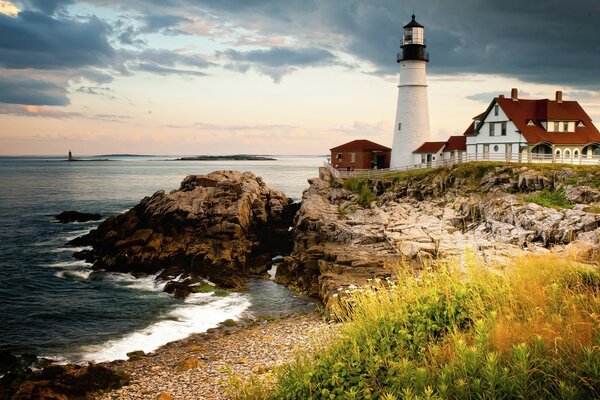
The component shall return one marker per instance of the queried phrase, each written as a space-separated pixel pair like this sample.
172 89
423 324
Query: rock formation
75 216
218 226
478 208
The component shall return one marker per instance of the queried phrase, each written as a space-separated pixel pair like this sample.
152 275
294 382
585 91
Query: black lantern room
413 42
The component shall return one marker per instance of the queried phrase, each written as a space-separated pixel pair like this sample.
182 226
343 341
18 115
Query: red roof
470 129
360 144
479 116
430 147
456 143
522 111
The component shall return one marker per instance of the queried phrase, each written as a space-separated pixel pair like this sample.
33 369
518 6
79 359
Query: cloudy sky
271 76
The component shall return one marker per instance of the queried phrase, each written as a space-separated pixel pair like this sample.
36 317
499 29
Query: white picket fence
526 159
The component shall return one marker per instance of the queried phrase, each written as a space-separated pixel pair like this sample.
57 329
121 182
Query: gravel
201 366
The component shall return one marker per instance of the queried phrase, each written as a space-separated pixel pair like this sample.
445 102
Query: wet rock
75 216
60 382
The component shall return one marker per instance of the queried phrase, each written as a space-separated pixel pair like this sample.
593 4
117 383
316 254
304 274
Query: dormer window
556 126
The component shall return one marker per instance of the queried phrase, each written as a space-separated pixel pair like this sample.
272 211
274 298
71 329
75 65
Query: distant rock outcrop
219 226
75 216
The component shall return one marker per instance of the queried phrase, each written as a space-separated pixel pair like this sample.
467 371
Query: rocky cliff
218 226
347 233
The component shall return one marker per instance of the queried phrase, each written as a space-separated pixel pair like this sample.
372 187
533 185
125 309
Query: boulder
215 226
74 216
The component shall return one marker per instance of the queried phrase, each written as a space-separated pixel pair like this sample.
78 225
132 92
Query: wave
199 313
70 264
70 249
75 274
147 282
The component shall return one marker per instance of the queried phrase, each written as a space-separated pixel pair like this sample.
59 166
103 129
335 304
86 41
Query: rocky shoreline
223 226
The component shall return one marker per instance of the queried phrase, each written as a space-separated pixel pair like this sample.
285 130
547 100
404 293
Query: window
581 124
399 125
492 129
556 126
565 127
496 109
339 156
503 129
575 153
496 148
352 157
531 123
567 153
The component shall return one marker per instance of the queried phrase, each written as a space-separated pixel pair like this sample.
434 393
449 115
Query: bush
532 333
361 187
550 198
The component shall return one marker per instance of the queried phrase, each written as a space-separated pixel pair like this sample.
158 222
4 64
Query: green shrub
362 187
550 198
532 333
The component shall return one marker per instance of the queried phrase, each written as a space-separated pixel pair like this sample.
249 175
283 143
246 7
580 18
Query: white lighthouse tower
412 113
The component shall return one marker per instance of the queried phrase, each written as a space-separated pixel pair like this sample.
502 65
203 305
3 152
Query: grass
550 198
362 188
592 209
533 332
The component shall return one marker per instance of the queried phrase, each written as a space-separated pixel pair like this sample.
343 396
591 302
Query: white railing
531 158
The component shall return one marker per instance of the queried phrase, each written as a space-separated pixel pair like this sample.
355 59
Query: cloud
157 69
164 23
32 92
36 111
35 40
48 7
555 43
167 62
278 61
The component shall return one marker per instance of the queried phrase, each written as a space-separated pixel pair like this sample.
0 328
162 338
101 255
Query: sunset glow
206 78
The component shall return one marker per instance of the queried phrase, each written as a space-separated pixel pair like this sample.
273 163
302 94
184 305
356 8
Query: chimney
501 96
514 94
559 96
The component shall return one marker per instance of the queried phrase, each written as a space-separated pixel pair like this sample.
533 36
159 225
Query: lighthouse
412 112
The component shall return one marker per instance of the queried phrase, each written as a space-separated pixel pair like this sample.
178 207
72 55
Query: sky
271 76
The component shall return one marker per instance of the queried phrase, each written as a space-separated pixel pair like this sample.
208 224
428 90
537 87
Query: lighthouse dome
413 23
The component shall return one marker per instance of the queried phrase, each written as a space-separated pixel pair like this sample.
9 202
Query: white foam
77 274
70 264
180 323
70 249
147 283
75 234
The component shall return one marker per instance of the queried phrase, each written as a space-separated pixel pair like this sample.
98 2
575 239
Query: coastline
202 365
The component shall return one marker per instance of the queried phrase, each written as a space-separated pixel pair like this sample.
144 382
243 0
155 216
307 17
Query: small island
235 157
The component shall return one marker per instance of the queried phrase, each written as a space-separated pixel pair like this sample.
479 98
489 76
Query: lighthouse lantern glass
413 35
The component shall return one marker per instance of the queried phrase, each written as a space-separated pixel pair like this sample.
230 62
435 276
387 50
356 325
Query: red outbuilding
360 154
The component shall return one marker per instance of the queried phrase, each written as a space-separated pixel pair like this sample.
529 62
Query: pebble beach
201 366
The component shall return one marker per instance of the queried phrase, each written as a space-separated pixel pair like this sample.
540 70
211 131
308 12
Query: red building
360 154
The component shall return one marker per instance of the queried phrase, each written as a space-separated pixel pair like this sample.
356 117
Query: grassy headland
531 332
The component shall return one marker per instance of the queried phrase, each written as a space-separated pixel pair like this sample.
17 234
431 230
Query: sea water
55 306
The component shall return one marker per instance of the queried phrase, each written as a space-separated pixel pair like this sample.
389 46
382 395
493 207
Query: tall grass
530 333
550 198
361 187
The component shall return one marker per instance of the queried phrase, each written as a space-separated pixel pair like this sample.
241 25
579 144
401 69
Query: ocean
54 306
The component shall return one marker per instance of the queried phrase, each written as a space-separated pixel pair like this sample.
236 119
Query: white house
515 129
452 150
